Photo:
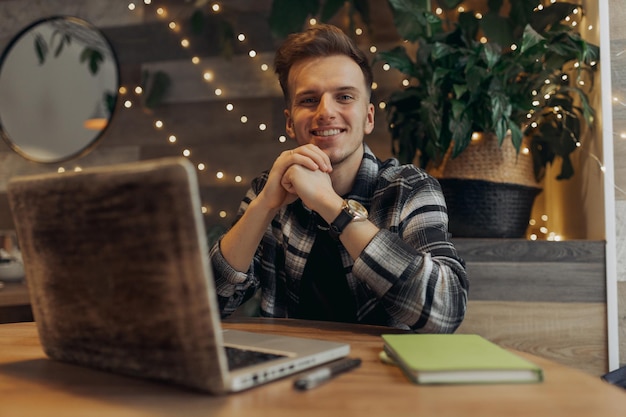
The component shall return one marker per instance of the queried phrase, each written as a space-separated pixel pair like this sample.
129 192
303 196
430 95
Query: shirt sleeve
233 287
411 264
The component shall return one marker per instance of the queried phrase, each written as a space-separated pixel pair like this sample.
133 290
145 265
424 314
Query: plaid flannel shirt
410 270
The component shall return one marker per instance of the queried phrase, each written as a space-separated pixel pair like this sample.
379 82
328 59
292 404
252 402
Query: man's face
330 106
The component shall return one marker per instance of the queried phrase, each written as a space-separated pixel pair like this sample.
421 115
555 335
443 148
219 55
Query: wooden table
32 385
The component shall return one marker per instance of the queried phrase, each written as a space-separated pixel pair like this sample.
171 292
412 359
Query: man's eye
346 97
308 100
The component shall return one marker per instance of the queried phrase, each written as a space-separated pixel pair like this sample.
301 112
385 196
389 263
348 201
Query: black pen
325 373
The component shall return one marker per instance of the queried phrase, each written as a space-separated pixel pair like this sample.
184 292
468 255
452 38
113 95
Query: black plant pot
487 209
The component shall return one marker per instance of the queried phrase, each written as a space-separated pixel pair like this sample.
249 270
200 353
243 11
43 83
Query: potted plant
515 71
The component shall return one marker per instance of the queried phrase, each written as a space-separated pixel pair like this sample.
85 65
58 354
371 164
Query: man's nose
326 108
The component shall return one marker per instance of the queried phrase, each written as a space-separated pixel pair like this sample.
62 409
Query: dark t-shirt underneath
324 291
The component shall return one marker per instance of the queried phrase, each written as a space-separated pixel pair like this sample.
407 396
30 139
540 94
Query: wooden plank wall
546 298
191 110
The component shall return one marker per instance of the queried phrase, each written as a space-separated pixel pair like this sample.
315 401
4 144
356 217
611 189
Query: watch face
357 210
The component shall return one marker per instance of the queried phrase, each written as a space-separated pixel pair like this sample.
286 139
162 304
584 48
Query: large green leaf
498 29
516 135
441 50
500 108
550 15
459 89
491 54
461 130
399 59
530 39
410 18
477 78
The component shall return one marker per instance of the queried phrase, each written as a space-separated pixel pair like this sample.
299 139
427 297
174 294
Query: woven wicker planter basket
489 190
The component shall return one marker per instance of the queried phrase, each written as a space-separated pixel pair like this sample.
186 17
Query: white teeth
329 132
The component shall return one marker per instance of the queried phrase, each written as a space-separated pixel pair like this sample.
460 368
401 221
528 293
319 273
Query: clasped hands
303 172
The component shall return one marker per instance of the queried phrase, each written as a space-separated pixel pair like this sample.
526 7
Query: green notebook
457 359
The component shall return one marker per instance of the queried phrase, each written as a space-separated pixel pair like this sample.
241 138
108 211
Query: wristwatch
351 210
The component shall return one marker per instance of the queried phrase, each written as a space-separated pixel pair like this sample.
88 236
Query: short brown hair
321 40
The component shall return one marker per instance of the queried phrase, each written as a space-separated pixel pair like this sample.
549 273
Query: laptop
116 260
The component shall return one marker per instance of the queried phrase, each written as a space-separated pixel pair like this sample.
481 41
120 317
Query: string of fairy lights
210 76
132 95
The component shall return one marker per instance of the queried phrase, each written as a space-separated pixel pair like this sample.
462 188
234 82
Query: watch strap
336 227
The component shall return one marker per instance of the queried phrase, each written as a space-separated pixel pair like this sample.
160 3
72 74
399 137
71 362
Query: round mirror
58 88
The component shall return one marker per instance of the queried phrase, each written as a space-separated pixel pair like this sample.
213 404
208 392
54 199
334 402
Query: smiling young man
330 232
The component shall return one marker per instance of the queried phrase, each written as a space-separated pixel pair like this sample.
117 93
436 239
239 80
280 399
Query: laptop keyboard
240 358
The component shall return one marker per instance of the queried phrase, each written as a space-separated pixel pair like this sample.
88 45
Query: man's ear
289 128
369 120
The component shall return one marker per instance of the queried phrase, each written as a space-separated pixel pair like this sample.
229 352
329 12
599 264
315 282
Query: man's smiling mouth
326 132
